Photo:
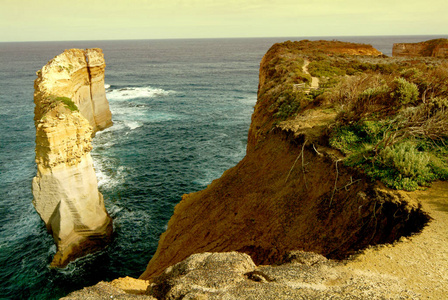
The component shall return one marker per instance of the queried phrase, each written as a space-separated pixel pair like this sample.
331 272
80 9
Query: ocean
181 111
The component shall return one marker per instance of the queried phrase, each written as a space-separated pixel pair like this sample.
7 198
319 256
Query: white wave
114 210
208 176
106 179
117 126
136 92
249 100
107 86
133 124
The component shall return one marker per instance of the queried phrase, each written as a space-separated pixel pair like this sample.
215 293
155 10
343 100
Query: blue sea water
181 111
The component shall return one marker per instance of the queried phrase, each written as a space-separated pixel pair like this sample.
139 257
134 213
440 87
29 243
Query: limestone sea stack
70 106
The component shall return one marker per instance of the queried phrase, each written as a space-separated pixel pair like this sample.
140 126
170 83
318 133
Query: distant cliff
431 48
70 106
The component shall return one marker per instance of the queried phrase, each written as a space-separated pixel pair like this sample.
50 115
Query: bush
345 139
407 160
405 92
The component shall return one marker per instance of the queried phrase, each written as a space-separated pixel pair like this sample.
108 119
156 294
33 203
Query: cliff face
288 193
65 189
432 48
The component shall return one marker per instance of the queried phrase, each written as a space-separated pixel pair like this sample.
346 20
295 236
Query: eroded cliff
70 105
291 190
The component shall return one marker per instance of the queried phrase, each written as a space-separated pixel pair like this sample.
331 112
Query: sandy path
314 80
421 261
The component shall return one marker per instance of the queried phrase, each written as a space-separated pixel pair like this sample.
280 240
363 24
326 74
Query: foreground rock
70 107
301 275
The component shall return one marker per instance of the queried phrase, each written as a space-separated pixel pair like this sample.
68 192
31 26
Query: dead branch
301 154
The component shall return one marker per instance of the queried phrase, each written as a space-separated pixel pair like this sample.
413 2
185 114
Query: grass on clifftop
392 123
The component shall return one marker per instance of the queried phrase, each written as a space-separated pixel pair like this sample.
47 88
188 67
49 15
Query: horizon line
224 38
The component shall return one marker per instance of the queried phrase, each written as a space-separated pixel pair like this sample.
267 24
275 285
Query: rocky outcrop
65 189
300 275
121 288
431 48
104 290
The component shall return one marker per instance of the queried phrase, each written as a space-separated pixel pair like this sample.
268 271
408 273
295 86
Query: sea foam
128 93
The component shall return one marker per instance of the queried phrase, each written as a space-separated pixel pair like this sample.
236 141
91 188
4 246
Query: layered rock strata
65 189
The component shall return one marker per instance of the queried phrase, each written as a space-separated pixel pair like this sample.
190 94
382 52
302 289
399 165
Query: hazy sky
43 20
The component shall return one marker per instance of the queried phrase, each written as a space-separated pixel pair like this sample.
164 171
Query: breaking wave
128 93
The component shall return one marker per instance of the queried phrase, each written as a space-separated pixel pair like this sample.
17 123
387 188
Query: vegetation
392 121
394 127
52 102
68 68
68 103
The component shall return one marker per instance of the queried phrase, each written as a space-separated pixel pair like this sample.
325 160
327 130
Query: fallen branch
303 166
335 182
301 154
318 153
349 184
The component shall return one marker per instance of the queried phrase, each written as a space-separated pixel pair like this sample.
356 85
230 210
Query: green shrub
405 92
288 104
411 73
345 139
374 93
407 160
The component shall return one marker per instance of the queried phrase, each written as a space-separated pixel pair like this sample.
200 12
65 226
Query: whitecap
133 124
208 176
107 179
249 100
114 210
107 86
136 92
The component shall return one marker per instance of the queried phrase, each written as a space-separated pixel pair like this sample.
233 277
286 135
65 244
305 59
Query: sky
64 20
